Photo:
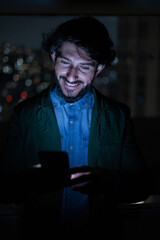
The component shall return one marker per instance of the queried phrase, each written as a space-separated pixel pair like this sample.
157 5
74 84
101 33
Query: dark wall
80 6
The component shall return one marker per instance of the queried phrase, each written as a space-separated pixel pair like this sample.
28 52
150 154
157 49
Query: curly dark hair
87 33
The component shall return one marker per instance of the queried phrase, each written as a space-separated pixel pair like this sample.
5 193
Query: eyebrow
92 63
65 58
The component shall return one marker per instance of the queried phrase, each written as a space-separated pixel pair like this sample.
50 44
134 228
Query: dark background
25 70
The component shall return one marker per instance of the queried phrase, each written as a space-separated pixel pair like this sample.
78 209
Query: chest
74 126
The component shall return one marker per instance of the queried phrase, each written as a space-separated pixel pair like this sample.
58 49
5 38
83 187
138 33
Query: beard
68 98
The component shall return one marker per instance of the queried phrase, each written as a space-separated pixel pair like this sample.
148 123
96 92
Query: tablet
55 163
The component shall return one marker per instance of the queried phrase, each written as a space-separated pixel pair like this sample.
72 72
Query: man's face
74 71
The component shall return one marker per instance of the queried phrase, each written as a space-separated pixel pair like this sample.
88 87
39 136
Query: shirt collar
86 100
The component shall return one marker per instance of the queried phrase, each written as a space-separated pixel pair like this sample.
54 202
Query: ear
53 56
100 68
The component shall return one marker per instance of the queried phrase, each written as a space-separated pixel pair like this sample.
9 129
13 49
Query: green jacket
112 142
34 127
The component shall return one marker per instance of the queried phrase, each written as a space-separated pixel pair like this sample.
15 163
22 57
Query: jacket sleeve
133 175
12 164
132 159
12 156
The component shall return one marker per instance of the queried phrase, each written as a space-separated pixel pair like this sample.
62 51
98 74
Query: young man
73 117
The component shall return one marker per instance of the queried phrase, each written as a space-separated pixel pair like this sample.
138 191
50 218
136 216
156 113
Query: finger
81 179
84 188
81 169
36 165
78 174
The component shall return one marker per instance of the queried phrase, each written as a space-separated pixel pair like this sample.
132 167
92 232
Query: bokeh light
24 94
9 98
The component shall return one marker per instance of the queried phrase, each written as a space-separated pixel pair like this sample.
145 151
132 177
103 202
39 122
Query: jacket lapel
48 122
104 128
97 130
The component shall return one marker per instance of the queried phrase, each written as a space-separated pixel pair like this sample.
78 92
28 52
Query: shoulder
27 111
33 103
110 104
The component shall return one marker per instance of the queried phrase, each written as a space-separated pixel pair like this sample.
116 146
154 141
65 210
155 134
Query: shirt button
70 123
70 147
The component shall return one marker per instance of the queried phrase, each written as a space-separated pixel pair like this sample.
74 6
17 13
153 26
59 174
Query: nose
72 74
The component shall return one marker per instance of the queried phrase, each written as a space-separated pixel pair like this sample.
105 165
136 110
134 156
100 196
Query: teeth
71 84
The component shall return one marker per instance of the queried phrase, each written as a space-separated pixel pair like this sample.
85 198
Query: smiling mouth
72 84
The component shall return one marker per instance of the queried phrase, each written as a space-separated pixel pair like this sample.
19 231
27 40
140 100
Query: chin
69 96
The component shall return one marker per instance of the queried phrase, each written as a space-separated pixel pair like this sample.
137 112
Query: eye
84 68
64 62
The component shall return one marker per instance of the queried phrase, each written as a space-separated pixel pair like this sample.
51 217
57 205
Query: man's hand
91 179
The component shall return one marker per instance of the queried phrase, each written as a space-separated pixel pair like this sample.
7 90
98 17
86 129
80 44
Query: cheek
60 71
89 78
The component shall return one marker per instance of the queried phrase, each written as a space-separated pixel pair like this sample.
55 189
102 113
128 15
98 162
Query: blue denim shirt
74 124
